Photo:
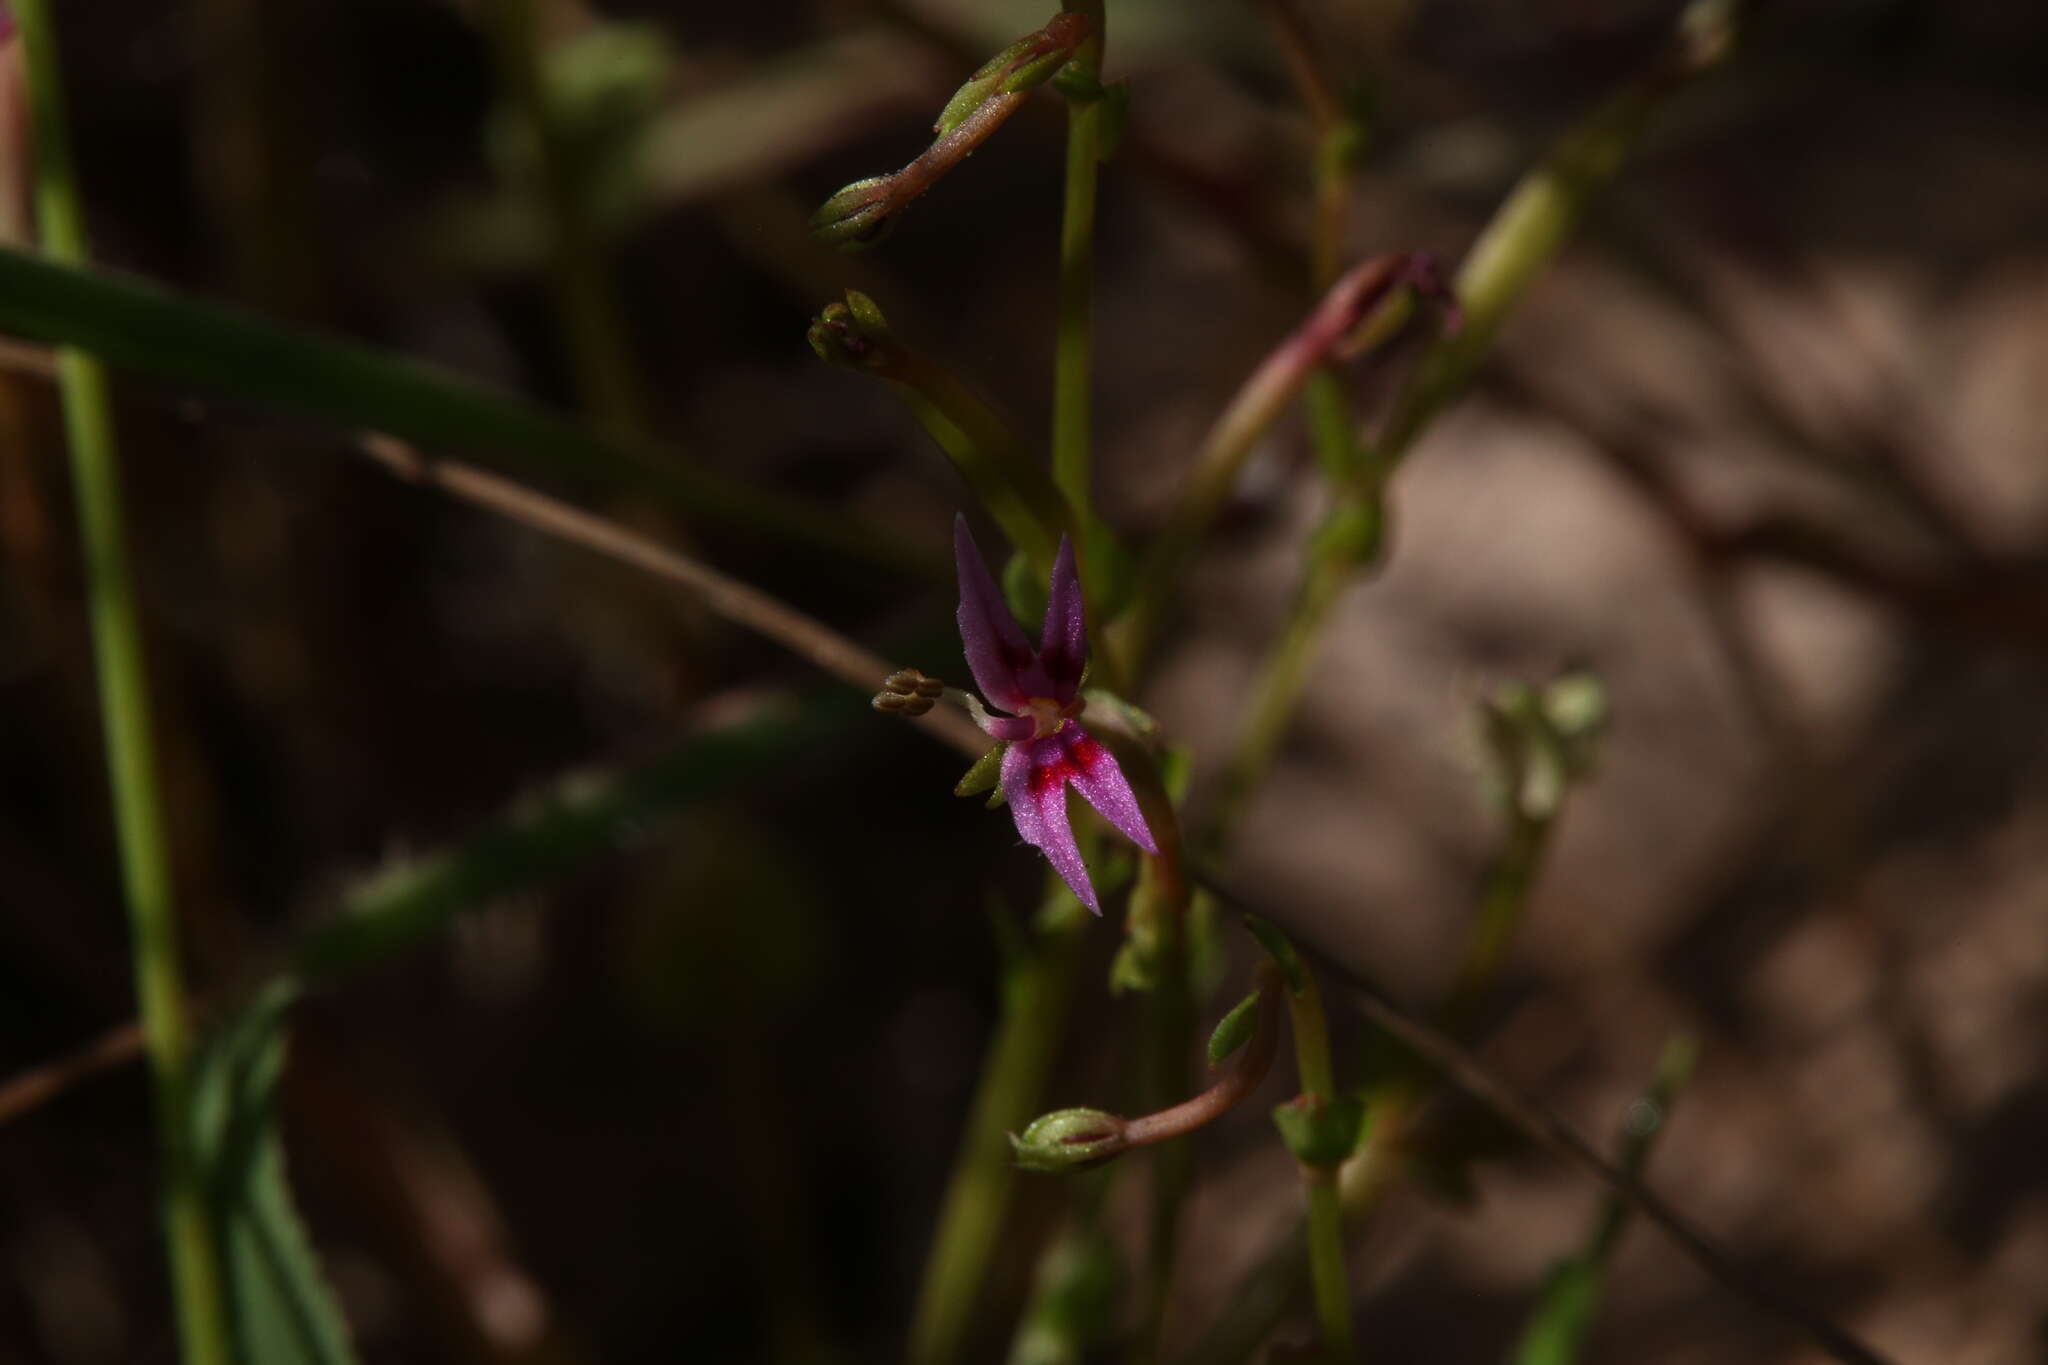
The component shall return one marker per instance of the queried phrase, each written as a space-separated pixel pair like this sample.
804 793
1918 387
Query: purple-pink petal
1063 644
1001 659
1010 728
1094 772
1035 784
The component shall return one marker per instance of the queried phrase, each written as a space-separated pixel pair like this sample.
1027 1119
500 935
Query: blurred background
1764 449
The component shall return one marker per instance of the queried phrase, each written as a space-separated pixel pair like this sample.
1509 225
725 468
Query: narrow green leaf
552 831
280 1309
142 327
1234 1029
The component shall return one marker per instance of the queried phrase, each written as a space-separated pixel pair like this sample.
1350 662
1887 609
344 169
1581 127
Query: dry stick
737 602
1561 1140
39 1085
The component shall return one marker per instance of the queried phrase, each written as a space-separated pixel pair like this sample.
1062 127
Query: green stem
1332 1283
585 296
1159 914
1358 301
982 447
1327 1274
196 1285
1071 355
1283 674
1035 995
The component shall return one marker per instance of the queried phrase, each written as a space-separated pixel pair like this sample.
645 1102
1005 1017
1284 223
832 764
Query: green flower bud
1068 1140
858 216
854 336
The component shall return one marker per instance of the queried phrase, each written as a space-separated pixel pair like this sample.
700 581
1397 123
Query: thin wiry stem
1074 342
37 1086
196 1285
1327 1273
726 596
586 299
1036 990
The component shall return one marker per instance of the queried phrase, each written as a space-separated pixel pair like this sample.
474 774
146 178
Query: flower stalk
1037 986
1074 1139
1072 354
855 335
586 298
1348 308
196 1283
862 213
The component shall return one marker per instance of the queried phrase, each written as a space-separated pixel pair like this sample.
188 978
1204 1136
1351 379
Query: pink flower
1048 748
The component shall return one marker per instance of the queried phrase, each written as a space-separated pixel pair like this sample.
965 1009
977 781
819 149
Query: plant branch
1073 342
197 1289
726 596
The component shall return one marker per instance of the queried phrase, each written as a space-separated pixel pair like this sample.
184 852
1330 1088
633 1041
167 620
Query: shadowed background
1763 449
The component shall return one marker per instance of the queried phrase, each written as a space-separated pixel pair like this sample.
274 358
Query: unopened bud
854 335
857 216
1068 1140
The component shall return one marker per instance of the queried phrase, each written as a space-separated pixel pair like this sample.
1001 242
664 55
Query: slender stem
1246 1069
741 603
1282 677
1071 355
1159 909
1327 1274
124 712
585 297
1035 995
1257 404
1332 1283
1339 143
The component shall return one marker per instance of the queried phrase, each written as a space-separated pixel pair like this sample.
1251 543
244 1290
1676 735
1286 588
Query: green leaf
137 326
1281 949
546 834
1234 1029
280 1309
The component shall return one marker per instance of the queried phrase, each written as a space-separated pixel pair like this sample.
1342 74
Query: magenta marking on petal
1063 643
1102 785
1040 810
997 653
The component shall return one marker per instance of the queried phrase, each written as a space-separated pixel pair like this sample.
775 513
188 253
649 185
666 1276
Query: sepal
984 775
1321 1133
